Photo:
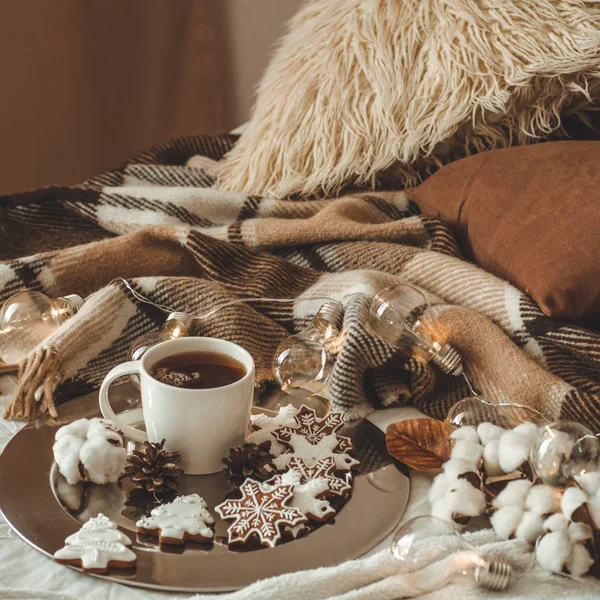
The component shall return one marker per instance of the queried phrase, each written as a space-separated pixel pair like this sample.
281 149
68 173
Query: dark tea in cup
198 370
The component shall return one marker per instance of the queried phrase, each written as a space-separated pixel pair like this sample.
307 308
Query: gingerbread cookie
308 497
262 512
307 424
97 547
184 519
324 468
264 428
311 454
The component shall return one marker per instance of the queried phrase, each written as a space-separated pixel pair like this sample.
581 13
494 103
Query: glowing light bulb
397 316
474 410
28 309
177 325
423 541
304 360
563 450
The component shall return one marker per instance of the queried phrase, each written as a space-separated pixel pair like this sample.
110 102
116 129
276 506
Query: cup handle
128 368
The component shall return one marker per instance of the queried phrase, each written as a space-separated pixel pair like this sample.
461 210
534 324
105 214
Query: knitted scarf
158 223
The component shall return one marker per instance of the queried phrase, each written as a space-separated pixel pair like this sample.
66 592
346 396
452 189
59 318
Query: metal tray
34 497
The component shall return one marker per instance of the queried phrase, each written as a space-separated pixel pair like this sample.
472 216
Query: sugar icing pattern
185 515
263 510
97 544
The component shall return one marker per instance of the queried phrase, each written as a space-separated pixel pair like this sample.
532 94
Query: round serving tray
43 509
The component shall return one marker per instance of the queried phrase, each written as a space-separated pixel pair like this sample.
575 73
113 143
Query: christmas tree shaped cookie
184 519
97 547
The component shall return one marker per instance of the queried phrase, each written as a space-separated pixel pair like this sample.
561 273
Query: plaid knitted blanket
158 222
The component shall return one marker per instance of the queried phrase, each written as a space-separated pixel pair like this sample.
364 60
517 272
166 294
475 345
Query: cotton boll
506 520
580 561
513 494
553 551
66 454
527 429
439 487
464 499
593 506
543 500
441 510
100 428
572 499
556 522
491 459
457 466
579 532
467 451
589 482
529 528
468 433
103 461
488 432
77 428
514 448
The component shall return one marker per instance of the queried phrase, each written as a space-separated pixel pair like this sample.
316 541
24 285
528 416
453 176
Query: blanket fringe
39 371
8 369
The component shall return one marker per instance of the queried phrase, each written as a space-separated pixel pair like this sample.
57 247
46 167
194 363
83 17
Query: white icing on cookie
307 423
297 530
267 425
313 453
307 495
97 544
324 468
90 450
185 515
262 511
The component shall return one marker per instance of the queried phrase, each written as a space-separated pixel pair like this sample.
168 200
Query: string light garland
397 316
304 359
28 309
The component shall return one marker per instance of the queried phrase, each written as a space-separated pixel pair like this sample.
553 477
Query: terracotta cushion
531 215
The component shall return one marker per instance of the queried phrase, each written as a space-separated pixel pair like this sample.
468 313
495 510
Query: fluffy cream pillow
359 90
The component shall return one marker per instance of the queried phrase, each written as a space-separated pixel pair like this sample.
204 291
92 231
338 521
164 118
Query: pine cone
140 502
154 470
249 461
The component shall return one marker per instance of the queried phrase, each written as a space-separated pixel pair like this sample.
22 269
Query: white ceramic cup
202 424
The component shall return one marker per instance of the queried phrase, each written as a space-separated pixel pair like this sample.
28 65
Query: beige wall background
86 83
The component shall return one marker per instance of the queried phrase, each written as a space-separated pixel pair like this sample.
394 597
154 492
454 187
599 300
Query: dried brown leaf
422 444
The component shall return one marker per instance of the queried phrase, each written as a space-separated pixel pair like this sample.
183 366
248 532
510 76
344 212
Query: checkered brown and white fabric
158 223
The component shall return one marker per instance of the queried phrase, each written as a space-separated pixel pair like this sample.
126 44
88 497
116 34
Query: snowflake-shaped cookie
186 518
311 454
307 496
325 469
263 510
314 429
265 427
307 423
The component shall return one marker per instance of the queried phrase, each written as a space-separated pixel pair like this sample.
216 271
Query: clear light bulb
28 309
177 325
563 450
304 360
423 541
474 410
397 316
